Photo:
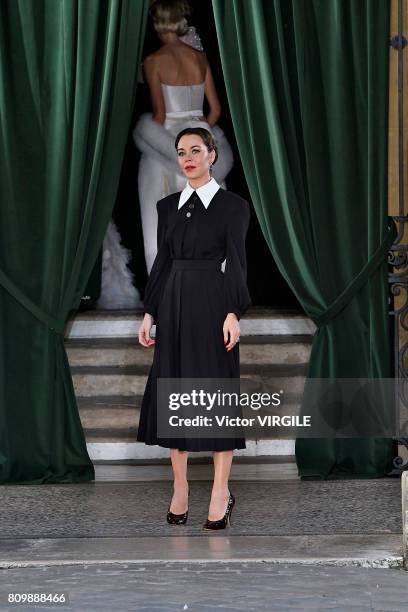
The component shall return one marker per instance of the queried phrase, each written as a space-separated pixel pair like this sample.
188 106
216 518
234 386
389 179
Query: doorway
267 287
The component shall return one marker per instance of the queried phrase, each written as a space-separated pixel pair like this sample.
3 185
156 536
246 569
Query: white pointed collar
205 192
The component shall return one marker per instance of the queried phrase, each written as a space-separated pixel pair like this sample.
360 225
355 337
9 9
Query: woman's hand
231 327
144 331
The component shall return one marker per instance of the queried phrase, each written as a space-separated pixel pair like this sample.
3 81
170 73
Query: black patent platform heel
225 520
178 519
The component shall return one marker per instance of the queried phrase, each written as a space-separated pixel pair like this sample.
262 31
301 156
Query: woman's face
193 156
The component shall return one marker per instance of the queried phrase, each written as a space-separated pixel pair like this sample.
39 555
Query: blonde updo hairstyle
170 16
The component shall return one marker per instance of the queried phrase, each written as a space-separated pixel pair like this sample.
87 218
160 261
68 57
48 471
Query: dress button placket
191 205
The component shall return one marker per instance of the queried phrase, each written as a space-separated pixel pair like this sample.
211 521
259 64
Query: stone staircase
110 369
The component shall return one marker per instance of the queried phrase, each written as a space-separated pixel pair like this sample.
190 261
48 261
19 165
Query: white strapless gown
159 175
159 172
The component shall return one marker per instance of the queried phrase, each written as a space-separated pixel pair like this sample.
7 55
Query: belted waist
196 264
186 113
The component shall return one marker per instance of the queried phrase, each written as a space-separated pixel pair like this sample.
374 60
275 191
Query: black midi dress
189 297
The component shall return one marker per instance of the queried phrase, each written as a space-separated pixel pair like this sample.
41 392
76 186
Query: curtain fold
68 76
307 85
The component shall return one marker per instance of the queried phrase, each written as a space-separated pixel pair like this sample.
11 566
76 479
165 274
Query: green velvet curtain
68 75
307 84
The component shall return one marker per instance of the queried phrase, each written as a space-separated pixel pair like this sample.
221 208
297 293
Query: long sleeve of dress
161 265
237 298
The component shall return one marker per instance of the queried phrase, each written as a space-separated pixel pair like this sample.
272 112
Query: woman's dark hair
205 136
170 16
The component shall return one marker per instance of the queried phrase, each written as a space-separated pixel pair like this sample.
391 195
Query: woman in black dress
196 308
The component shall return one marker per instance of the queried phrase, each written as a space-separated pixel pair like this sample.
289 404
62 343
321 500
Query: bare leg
220 491
179 502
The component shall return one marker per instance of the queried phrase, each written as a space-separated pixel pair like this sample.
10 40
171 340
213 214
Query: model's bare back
181 64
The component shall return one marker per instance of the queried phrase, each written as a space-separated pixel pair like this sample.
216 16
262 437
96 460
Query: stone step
110 419
118 416
128 352
131 380
102 449
128 434
110 370
125 324
115 418
109 342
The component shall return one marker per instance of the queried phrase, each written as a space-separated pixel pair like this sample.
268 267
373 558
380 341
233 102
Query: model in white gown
159 172
159 175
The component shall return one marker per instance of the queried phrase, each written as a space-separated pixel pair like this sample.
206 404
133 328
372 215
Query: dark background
266 285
